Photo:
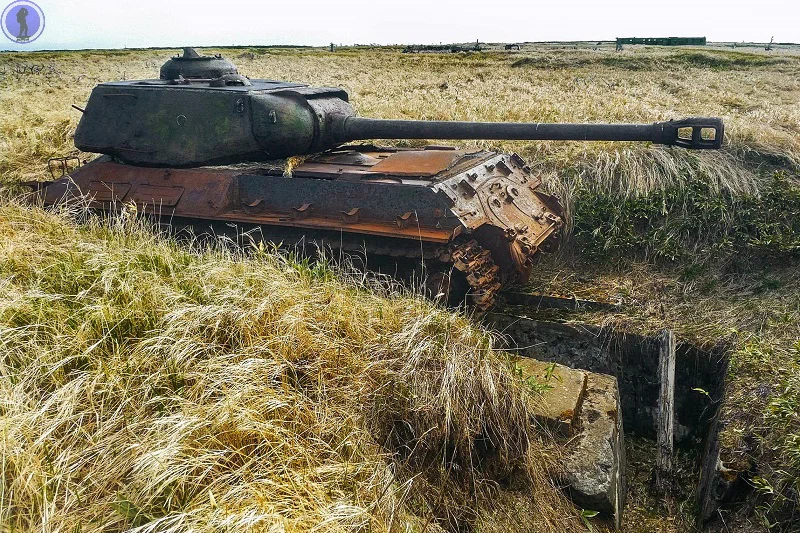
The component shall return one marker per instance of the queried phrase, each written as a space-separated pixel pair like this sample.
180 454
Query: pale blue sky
141 23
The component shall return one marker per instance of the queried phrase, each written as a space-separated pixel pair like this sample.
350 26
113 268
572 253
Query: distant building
663 41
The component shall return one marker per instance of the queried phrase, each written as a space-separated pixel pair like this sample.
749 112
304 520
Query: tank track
482 274
467 257
473 262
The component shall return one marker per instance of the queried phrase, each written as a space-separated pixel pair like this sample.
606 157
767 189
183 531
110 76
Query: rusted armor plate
484 210
423 163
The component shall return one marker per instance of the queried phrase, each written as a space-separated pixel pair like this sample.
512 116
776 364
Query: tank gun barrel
692 133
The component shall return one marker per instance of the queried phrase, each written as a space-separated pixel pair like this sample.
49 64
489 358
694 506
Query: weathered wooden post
666 410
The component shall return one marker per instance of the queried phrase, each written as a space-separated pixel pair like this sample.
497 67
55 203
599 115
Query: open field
704 243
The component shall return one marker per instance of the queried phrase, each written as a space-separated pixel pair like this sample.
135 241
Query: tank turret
475 219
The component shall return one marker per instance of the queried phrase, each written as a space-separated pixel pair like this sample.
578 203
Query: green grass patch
679 222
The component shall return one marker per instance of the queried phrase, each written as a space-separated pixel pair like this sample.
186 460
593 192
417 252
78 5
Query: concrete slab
563 391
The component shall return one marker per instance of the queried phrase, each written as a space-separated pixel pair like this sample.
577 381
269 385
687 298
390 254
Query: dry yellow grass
146 385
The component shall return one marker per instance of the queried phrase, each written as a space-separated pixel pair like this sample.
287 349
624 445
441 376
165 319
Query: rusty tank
200 147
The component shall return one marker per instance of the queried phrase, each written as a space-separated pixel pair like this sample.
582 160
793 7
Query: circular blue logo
22 21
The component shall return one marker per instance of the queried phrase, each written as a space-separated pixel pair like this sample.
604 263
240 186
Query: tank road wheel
437 285
482 274
448 285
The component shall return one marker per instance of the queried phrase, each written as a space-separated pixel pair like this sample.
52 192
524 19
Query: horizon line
370 45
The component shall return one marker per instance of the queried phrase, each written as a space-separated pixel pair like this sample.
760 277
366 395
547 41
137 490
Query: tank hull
481 214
